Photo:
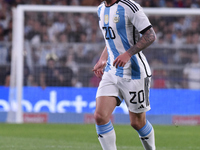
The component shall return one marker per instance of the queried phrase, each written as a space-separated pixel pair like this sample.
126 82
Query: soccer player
124 70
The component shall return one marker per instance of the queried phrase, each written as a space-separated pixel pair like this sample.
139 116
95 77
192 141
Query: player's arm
98 68
147 39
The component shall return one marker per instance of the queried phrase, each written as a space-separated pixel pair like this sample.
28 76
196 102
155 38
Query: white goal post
16 84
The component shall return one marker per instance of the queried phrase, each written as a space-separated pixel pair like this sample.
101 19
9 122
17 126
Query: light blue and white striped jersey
121 24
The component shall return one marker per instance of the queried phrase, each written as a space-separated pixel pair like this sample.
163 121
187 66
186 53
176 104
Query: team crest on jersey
106 19
116 18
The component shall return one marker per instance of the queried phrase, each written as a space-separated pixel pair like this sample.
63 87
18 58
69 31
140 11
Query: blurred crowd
144 3
62 48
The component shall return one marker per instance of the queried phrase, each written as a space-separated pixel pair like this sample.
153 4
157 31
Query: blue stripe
107 68
106 12
99 11
121 29
144 131
119 70
135 69
102 129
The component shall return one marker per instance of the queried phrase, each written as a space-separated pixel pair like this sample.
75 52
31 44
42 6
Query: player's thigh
106 98
108 86
105 105
136 94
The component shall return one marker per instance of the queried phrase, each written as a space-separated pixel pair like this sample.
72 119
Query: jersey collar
112 4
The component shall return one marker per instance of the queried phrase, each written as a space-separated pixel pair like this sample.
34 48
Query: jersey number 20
110 34
140 95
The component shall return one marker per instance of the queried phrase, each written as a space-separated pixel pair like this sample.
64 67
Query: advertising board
82 100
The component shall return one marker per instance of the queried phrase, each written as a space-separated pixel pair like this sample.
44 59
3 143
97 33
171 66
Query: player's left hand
121 60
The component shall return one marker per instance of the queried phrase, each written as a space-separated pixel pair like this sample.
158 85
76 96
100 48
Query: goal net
57 46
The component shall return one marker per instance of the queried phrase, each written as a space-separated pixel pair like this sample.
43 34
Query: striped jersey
121 25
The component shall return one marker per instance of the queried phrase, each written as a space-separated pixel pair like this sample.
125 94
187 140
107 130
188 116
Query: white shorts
134 92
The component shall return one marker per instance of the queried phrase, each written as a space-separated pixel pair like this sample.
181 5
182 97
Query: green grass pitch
83 137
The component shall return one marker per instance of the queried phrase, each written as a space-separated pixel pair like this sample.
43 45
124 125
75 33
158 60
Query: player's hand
121 60
98 68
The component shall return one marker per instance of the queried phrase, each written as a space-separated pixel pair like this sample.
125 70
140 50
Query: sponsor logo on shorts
141 107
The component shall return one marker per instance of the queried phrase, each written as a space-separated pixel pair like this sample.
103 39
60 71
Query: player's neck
110 2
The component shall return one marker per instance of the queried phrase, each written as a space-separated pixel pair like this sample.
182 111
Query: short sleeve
138 18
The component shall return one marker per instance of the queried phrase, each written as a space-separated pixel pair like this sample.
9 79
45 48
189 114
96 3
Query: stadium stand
57 34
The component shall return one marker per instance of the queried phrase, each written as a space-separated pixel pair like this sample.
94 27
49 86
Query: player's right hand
98 68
